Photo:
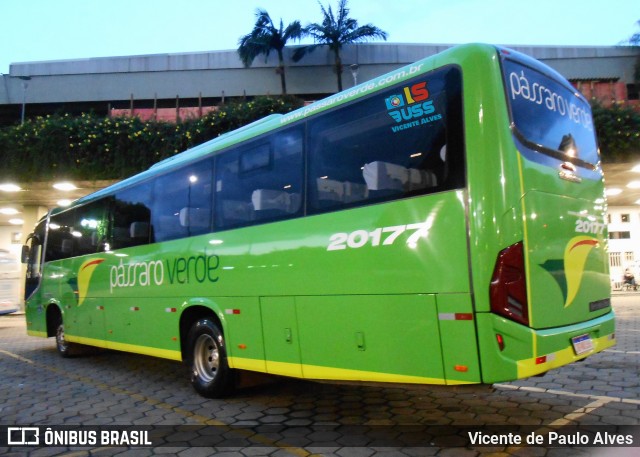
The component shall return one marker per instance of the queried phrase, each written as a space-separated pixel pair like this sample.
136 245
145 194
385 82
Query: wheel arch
53 315
193 314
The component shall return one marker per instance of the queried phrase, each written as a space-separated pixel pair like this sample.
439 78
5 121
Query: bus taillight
508 291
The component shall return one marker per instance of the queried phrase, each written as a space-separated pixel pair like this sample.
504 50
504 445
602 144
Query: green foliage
618 131
92 147
266 37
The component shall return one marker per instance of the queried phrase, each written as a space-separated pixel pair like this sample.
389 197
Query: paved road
299 418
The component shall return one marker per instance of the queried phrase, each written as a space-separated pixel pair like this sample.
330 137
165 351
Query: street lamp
354 73
25 84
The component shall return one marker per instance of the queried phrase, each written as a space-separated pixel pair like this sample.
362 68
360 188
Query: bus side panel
243 332
85 322
138 322
458 336
55 279
36 316
35 313
366 250
391 338
281 337
83 310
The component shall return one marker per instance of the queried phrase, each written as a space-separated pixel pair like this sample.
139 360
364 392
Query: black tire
211 376
65 349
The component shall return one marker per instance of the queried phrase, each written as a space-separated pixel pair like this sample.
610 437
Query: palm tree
634 40
264 38
335 32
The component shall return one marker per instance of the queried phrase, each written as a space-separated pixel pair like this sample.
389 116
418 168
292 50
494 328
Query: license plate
582 344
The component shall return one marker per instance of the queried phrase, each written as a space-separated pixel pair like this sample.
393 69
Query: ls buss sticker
412 105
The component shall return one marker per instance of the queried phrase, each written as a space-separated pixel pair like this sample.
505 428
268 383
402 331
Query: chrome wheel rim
206 358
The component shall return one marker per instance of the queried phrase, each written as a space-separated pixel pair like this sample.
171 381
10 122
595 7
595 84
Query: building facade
624 243
195 82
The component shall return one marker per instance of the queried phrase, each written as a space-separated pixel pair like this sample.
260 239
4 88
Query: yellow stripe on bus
529 367
332 373
144 350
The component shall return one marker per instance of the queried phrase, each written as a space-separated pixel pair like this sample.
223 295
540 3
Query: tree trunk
280 70
338 67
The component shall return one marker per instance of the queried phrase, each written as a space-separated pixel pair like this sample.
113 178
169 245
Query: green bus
440 224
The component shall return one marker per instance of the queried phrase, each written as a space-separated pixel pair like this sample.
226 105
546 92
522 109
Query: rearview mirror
25 254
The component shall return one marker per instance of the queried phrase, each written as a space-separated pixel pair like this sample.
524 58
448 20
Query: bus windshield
549 117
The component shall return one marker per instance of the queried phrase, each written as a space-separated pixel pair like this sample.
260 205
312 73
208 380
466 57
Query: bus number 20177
381 236
582 226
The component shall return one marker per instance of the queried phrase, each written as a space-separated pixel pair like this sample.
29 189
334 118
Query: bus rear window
550 117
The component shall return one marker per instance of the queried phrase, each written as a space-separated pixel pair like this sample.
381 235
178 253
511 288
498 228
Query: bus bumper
526 352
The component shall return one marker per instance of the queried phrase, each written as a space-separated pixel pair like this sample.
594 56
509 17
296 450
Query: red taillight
508 291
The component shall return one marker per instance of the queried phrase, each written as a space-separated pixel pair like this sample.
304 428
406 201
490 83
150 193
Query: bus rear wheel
211 376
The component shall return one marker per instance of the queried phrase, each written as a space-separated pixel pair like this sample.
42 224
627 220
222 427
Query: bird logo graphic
575 257
85 272
568 272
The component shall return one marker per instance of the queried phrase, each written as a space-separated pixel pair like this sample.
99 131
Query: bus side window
131 224
90 227
278 194
260 182
61 242
182 202
374 150
233 207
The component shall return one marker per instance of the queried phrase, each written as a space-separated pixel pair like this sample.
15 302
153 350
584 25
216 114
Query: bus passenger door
281 337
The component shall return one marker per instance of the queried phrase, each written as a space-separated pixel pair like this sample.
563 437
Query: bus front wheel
211 376
65 349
